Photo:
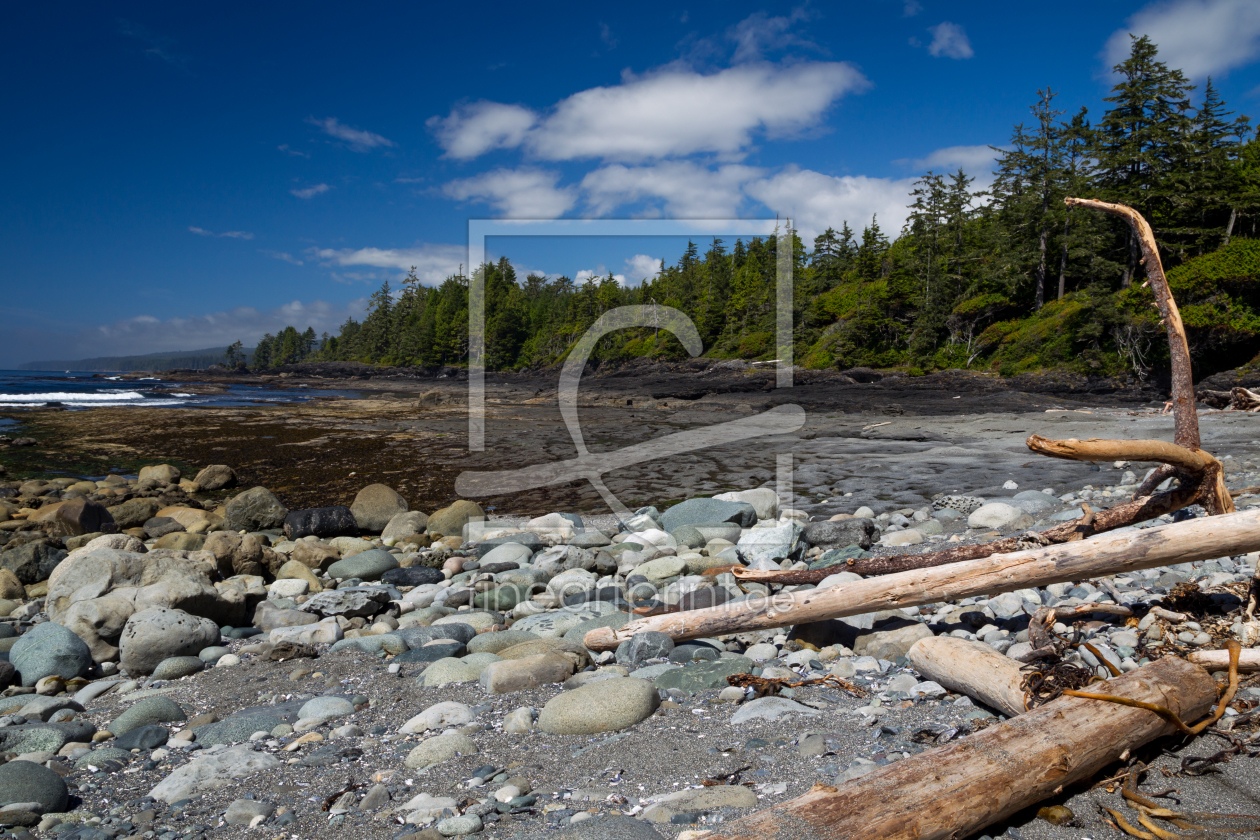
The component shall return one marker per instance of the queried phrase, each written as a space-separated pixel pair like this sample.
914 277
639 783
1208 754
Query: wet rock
841 534
215 477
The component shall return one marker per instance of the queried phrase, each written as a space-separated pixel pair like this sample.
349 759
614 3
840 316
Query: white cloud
516 193
1199 37
597 273
357 139
472 130
311 192
284 147
283 255
146 334
687 190
673 111
642 267
949 40
814 201
759 33
433 263
230 234
912 8
974 160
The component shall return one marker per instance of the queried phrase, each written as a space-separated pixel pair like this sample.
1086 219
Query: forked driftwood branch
1200 476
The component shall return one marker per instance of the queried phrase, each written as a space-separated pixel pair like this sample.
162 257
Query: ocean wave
94 398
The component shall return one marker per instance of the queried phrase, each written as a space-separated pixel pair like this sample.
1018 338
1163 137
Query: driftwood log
1200 476
1109 554
1218 660
973 669
957 790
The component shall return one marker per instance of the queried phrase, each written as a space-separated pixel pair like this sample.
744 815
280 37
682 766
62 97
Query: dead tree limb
1182 542
1200 476
971 668
991 775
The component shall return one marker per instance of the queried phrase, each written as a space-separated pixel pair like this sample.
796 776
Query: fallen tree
993 774
1200 476
1109 554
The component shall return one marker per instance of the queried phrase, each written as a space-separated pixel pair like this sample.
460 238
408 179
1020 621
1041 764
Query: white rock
438 716
999 515
324 632
907 537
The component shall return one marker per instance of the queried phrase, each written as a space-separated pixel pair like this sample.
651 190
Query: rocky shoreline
189 658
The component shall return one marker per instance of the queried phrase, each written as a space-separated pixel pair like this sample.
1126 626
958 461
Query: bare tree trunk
1183 542
1229 228
1041 265
957 790
1063 257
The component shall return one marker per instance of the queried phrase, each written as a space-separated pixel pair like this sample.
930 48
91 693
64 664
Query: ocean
88 389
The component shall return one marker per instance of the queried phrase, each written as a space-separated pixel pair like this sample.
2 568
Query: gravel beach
281 621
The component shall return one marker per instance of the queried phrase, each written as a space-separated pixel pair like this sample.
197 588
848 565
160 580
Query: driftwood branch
957 790
1200 476
1182 542
1184 416
971 668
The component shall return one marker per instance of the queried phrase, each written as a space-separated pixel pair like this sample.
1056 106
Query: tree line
1007 278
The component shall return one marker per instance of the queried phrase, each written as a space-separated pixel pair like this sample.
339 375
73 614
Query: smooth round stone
441 748
477 619
366 565
449 670
149 710
459 826
142 738
495 642
98 757
415 637
174 667
413 576
604 706
326 708
236 729
26 781
47 650
432 652
213 654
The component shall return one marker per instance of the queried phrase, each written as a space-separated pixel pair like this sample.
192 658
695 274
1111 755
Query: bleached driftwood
971 668
957 790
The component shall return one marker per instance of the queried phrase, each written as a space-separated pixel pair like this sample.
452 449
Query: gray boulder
215 477
704 511
49 649
155 634
375 505
213 772
405 524
32 561
604 706
26 781
257 509
841 533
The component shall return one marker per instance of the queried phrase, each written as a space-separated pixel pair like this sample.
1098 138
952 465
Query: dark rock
215 477
321 522
414 576
705 675
78 516
33 561
704 511
8 674
236 728
26 781
133 513
415 637
160 526
431 652
640 647
841 533
147 712
142 738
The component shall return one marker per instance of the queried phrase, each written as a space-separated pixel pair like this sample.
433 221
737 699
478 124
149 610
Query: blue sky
180 176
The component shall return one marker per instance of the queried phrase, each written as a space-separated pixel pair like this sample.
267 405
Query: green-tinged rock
702 676
495 642
148 711
449 670
26 781
235 729
440 748
838 557
501 598
366 565
450 520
